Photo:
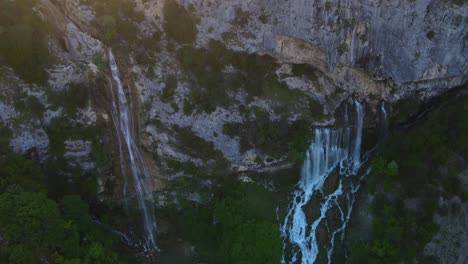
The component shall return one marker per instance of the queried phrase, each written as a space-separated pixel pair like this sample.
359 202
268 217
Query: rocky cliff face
319 55
404 42
374 49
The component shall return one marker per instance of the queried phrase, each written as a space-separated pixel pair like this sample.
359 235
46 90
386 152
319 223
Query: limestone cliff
411 44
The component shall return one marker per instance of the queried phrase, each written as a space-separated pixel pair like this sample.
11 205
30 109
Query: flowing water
384 120
333 151
140 176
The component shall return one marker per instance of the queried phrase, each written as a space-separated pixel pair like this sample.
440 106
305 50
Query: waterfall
384 120
358 140
122 119
331 152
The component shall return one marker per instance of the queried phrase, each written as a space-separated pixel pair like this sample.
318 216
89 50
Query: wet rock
331 183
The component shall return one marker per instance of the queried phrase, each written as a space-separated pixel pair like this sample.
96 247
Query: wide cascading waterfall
332 152
138 169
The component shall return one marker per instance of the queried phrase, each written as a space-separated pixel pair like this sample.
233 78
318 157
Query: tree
20 254
246 238
16 169
24 44
74 209
30 219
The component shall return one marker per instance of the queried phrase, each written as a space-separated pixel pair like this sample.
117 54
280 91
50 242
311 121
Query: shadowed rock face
407 40
402 40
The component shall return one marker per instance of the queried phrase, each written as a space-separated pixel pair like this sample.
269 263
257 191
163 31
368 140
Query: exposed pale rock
28 140
81 45
80 14
388 40
62 75
87 116
77 148
7 112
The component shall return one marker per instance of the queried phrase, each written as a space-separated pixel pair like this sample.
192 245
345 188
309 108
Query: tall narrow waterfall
384 120
332 153
138 169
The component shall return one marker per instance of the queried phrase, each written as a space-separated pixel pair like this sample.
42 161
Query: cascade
331 152
138 169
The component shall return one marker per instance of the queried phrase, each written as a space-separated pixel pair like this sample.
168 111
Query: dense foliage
35 226
24 43
238 226
399 232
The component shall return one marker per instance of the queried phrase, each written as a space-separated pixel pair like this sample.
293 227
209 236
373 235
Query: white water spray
122 118
332 151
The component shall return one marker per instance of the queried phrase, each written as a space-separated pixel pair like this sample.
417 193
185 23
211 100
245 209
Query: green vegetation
32 105
241 18
5 135
212 83
76 96
291 139
60 129
37 227
399 233
116 19
24 45
197 146
430 35
169 90
403 109
459 2
180 24
188 167
244 231
144 48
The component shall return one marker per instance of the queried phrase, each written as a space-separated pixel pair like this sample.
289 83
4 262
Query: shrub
188 167
5 136
116 19
291 139
241 18
179 24
76 96
430 35
211 82
108 26
60 129
196 145
31 105
169 90
24 44
16 169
